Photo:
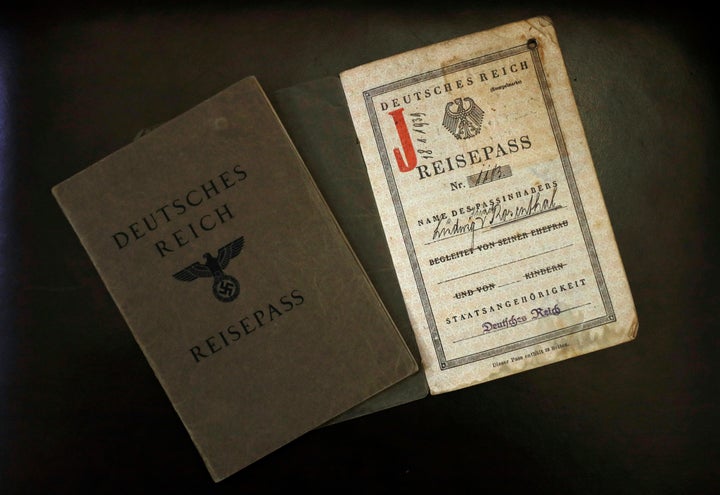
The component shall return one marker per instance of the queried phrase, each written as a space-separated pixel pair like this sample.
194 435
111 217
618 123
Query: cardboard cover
316 117
235 278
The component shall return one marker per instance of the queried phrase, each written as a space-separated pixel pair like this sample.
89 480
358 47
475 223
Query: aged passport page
235 278
490 204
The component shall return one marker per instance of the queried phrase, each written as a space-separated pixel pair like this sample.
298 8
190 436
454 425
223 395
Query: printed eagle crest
464 122
214 265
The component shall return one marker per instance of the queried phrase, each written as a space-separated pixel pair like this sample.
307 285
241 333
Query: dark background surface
81 411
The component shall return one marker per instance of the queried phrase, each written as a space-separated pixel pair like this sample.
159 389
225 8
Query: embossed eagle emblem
225 287
465 120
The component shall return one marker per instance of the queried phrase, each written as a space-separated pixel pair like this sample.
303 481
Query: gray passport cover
235 279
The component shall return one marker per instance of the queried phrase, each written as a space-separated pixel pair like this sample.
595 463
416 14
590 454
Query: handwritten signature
495 216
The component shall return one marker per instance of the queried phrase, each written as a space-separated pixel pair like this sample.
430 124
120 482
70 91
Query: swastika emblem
225 287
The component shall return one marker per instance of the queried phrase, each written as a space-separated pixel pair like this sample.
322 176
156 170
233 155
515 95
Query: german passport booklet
484 187
235 278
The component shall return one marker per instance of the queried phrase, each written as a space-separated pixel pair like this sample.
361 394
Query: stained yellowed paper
490 204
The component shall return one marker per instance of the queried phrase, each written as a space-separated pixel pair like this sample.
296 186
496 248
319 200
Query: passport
235 279
469 160
487 194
